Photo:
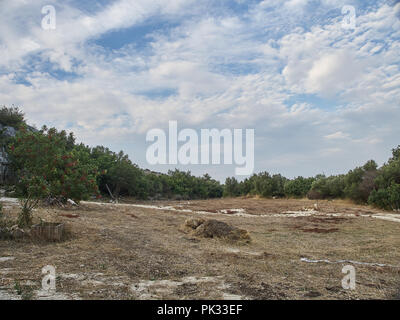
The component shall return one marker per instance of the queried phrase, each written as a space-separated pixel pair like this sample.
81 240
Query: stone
17 233
72 202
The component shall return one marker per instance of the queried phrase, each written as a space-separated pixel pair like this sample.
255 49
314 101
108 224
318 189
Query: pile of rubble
215 229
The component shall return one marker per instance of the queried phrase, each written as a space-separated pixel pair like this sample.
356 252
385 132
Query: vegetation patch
216 229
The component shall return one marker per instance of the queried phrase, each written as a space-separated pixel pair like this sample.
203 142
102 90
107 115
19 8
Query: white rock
72 202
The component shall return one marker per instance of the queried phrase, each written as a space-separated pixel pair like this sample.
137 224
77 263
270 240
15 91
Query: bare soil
137 251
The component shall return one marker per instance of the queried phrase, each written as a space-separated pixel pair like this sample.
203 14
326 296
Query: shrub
298 187
360 182
327 187
386 193
319 188
389 173
388 198
278 185
232 188
394 196
25 215
263 184
48 167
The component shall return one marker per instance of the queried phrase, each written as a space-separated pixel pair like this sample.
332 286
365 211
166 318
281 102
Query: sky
320 97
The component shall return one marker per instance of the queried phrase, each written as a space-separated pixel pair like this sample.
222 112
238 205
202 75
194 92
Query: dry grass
123 252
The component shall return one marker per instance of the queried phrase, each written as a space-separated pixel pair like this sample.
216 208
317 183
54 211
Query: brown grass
110 248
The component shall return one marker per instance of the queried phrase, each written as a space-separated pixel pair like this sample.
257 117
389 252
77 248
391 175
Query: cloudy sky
321 98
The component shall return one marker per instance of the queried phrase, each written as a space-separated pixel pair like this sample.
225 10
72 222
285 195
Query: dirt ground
139 251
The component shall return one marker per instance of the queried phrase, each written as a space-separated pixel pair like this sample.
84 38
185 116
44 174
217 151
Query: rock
72 202
215 229
17 233
3 259
8 131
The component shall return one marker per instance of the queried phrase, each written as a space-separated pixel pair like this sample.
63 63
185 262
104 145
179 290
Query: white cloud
337 135
333 72
295 4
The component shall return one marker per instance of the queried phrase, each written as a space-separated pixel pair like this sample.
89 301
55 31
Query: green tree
231 188
213 188
47 166
388 198
264 185
395 154
359 182
386 193
124 177
12 117
298 187
327 187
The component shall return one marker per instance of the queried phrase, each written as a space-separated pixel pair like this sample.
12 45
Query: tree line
367 184
49 164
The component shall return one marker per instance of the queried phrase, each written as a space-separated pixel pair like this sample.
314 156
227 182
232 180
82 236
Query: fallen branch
111 194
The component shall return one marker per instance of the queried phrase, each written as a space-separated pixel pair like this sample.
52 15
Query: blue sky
321 98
